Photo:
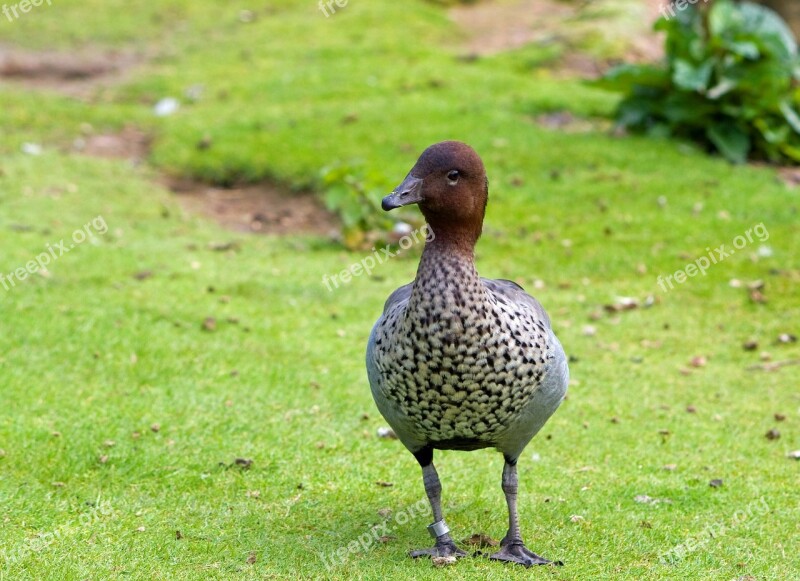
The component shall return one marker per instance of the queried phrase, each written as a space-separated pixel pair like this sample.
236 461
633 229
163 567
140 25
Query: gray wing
398 297
515 294
396 301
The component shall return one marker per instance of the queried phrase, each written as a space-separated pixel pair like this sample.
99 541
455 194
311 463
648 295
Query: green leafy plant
354 193
730 82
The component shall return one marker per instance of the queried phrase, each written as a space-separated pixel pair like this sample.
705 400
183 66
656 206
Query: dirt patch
130 143
76 74
263 208
789 176
566 122
646 44
495 27
619 28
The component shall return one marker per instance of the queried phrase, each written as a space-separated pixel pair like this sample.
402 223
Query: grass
122 416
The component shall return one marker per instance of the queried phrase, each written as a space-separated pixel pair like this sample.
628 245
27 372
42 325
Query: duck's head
449 185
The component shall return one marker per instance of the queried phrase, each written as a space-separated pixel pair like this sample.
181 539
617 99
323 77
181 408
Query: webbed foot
517 552
441 549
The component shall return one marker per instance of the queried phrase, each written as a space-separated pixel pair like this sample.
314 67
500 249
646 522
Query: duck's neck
446 276
447 237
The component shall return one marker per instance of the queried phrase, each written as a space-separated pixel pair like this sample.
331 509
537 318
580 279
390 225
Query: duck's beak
407 193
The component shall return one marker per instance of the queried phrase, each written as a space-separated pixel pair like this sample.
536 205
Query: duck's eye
452 177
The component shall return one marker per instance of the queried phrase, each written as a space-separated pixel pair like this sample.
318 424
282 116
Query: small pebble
387 433
166 107
31 148
698 361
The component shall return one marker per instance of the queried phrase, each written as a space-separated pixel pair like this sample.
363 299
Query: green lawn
122 413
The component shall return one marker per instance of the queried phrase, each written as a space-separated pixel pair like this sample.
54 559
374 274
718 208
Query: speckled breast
461 365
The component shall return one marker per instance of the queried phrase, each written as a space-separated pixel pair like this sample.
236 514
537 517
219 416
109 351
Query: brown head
449 185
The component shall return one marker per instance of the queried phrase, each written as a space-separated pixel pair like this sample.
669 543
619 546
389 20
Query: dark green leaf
762 22
690 77
731 141
791 151
626 77
745 49
791 116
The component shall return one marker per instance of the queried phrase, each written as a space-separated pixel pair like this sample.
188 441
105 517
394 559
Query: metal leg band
438 529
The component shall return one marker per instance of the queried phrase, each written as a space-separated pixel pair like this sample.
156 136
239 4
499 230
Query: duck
460 362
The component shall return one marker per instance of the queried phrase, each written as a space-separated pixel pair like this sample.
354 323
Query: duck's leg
511 547
444 547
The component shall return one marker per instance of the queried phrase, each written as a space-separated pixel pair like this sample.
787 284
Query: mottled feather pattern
457 357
